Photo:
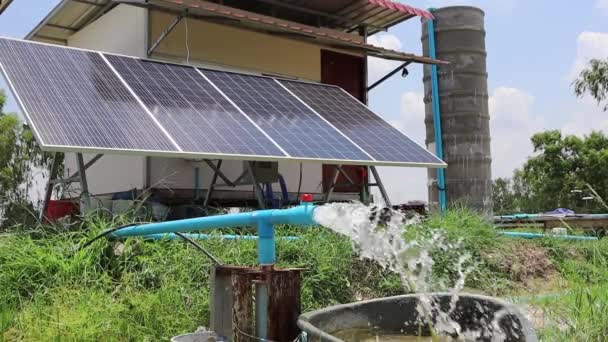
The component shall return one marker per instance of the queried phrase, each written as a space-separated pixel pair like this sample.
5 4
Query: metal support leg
387 201
346 176
85 204
333 184
87 165
49 187
216 172
257 190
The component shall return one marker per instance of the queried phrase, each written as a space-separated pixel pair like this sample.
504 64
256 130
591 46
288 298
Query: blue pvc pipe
171 236
436 114
263 219
540 235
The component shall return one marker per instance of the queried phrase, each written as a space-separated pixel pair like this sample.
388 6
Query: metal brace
165 33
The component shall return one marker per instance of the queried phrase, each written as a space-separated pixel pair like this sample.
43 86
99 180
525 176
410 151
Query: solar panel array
78 100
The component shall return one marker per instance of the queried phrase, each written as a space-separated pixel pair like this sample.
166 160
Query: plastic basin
398 315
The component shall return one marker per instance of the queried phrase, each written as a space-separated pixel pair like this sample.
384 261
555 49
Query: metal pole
389 75
218 172
87 165
259 193
332 185
49 187
84 186
212 183
197 183
383 192
364 192
165 33
437 115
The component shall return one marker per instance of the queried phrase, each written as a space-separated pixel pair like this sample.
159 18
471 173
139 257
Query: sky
535 50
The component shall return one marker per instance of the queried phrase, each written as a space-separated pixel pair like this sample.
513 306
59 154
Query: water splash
378 234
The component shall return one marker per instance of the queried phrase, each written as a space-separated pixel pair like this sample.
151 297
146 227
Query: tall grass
149 291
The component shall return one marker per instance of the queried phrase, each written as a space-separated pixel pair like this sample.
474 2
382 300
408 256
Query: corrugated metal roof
322 36
72 15
376 15
67 18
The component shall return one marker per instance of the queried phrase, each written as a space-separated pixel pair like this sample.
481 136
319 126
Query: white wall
123 31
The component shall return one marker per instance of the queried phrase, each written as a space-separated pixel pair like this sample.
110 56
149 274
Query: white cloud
589 45
511 126
587 117
602 5
501 5
378 67
587 114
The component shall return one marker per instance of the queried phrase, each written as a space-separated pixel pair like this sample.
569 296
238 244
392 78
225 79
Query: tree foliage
19 157
560 165
503 196
594 80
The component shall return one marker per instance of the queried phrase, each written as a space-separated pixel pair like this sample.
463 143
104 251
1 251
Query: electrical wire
299 184
104 234
187 41
200 248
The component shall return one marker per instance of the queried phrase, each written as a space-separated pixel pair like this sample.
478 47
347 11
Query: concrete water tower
463 102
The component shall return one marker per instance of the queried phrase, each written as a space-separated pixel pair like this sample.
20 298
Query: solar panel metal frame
197 155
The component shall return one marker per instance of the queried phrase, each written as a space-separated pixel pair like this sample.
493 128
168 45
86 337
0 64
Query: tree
560 165
19 157
503 197
594 80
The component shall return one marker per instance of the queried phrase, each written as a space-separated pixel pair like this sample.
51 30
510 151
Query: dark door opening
345 71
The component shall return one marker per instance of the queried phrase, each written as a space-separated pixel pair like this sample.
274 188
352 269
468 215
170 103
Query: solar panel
199 118
296 128
73 99
85 101
368 130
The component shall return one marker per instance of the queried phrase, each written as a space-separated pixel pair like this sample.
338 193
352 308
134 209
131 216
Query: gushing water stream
378 234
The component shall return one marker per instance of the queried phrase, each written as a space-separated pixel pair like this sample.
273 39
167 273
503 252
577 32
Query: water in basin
365 335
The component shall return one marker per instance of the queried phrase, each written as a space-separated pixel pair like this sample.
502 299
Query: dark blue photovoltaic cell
194 113
297 129
74 99
368 130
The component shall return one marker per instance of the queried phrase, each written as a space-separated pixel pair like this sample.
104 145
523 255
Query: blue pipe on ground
540 235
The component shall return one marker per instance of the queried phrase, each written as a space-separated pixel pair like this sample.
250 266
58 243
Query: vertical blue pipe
266 242
197 184
437 115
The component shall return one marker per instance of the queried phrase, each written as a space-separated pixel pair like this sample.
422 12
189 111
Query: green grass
150 291
154 290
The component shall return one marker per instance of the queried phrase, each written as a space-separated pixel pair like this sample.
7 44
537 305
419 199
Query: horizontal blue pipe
539 235
171 236
301 215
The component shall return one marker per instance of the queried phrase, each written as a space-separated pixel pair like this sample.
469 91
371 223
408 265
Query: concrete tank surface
465 120
399 316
